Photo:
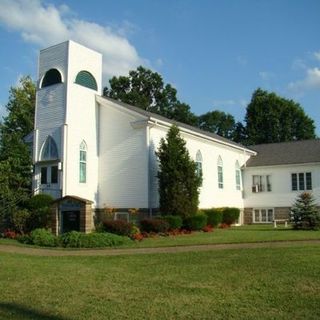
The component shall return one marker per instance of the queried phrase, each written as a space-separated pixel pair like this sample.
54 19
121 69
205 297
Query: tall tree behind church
271 118
15 155
145 89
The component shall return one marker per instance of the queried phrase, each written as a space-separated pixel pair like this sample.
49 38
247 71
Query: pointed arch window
238 175
199 163
49 150
51 77
220 172
83 163
86 79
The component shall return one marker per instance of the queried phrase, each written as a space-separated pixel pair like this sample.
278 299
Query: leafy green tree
145 89
304 213
15 155
271 118
217 122
178 180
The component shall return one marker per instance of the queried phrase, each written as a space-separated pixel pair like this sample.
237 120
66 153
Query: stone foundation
279 213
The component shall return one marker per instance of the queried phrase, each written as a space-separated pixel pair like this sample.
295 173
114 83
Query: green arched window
51 77
86 79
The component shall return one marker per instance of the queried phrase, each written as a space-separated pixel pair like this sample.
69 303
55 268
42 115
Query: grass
279 283
252 233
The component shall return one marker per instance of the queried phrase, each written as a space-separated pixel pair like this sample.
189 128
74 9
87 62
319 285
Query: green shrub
230 215
175 222
20 219
40 208
70 239
214 216
154 225
26 239
196 222
120 227
75 239
43 237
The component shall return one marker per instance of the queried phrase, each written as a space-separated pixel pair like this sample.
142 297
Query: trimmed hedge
175 222
154 225
75 239
214 216
196 222
119 227
230 215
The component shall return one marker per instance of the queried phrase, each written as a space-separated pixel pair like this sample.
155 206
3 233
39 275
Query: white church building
92 152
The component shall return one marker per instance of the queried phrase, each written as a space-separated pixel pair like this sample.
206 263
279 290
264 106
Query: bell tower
65 151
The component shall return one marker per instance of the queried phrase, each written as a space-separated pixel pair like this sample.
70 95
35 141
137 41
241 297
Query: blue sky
216 53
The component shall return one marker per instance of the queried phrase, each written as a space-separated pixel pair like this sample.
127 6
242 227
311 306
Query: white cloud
241 60
299 64
266 75
310 82
317 55
47 24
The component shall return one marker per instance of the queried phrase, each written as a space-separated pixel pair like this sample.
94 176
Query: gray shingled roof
294 152
180 124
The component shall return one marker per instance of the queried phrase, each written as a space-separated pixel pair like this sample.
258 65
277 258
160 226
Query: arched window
86 79
199 163
83 163
220 173
238 175
51 77
49 150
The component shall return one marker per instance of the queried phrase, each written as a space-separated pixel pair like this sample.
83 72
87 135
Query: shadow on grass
16 311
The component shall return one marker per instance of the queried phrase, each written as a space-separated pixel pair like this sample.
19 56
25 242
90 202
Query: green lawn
252 233
279 283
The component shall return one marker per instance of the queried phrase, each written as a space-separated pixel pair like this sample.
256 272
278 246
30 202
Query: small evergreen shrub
75 239
154 225
196 222
304 213
175 222
214 216
43 237
230 215
20 220
119 227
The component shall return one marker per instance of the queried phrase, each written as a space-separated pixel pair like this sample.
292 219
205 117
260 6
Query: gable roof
294 152
151 115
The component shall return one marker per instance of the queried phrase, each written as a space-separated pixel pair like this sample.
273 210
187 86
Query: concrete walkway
132 251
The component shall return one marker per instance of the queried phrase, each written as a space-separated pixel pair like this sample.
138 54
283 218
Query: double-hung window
301 181
261 183
83 163
238 176
220 173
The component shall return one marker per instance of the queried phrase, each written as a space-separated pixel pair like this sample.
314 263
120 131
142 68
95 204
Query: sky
215 52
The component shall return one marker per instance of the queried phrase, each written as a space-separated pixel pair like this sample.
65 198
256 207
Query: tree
15 155
271 118
178 180
145 89
304 213
217 122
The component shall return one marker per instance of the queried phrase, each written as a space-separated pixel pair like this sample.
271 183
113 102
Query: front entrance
72 213
70 221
